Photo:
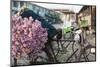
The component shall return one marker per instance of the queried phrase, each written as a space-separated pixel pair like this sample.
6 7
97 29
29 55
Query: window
15 4
21 3
41 12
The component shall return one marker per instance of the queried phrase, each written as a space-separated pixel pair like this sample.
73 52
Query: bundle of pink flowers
28 36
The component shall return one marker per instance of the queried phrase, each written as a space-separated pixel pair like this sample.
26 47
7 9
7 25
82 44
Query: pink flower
27 36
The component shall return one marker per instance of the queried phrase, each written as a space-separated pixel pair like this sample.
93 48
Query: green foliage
84 23
68 29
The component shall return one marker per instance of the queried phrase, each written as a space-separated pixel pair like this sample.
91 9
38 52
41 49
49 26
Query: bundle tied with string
45 33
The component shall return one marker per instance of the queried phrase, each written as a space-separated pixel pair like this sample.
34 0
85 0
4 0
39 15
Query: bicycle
78 47
85 50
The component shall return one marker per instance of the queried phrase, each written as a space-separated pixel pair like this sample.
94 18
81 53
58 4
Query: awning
74 8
